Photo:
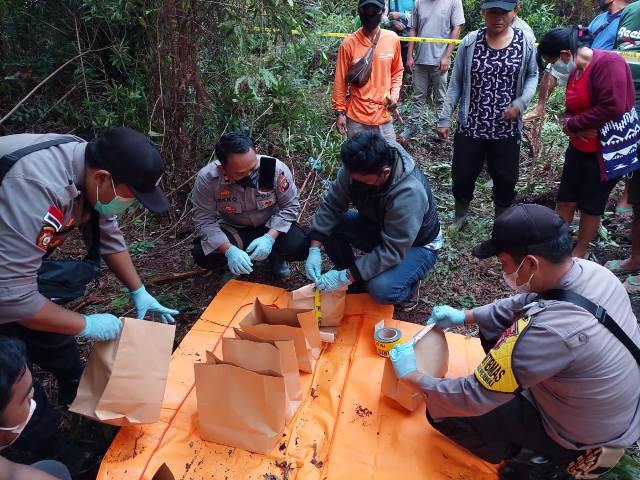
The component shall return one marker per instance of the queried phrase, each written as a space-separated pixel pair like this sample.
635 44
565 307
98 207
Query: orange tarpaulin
344 429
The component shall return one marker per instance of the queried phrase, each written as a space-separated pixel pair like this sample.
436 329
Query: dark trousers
290 246
501 433
404 50
57 354
503 163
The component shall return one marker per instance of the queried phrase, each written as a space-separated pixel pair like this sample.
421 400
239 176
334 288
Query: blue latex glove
332 280
101 326
261 247
238 261
313 265
145 302
445 316
403 359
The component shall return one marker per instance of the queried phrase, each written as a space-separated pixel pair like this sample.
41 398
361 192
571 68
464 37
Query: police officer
49 185
558 390
245 208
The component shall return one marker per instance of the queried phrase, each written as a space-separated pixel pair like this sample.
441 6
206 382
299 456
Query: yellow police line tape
628 55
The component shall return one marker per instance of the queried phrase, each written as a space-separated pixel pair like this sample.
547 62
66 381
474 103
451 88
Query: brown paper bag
239 407
332 304
124 380
432 358
242 353
286 324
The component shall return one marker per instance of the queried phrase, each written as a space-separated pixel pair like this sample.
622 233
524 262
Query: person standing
397 19
430 19
599 92
368 106
245 208
494 78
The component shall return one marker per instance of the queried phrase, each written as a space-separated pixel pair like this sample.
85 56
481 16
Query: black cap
504 5
522 226
377 3
135 161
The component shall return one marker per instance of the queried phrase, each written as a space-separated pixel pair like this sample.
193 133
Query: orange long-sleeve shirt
366 104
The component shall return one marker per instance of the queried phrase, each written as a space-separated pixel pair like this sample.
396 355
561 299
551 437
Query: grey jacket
582 379
459 90
405 212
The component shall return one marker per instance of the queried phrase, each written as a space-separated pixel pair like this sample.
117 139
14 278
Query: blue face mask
115 206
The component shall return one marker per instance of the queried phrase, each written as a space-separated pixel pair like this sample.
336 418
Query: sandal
616 267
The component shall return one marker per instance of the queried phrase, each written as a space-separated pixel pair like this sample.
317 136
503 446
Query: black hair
13 362
560 39
94 158
366 152
235 141
555 251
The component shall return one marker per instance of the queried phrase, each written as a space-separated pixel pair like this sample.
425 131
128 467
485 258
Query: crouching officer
245 208
50 184
558 390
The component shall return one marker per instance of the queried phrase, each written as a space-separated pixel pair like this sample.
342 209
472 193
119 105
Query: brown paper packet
124 380
332 304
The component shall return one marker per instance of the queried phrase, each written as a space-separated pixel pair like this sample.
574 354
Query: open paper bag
124 380
286 324
241 352
237 406
332 303
432 358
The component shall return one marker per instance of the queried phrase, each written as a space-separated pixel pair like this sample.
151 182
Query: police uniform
555 380
41 201
224 211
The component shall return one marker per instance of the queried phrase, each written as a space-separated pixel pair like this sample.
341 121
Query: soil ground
163 247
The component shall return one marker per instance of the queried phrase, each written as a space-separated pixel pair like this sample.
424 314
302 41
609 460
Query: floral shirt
494 80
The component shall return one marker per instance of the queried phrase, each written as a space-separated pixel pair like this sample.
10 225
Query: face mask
19 428
370 22
115 206
511 280
250 181
564 68
604 6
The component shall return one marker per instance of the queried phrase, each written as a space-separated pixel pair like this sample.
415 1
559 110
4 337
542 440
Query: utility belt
62 281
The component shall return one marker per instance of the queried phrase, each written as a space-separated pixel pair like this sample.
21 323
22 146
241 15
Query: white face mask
565 68
512 278
18 429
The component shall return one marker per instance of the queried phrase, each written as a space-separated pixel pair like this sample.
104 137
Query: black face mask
604 6
370 22
250 181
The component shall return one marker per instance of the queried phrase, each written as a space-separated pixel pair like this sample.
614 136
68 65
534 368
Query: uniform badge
283 183
54 218
45 238
229 209
224 194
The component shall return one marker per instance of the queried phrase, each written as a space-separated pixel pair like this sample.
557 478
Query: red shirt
578 100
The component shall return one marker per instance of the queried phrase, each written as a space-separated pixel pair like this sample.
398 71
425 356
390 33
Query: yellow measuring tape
316 305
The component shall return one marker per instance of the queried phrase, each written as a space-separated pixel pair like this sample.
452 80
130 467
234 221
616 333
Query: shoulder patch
45 237
495 372
54 218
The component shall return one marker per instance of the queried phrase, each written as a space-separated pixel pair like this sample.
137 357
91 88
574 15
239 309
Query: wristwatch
338 113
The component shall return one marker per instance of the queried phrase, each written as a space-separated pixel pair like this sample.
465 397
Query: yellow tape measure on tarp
316 305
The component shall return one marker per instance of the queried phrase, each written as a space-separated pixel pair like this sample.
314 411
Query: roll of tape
385 339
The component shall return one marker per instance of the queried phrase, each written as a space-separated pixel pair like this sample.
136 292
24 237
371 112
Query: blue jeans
391 286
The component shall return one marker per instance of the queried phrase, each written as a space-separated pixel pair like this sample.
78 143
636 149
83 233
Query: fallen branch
174 277
47 78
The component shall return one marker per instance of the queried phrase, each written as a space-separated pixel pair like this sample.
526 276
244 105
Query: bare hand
511 113
445 62
341 124
392 103
410 63
535 114
395 15
443 132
